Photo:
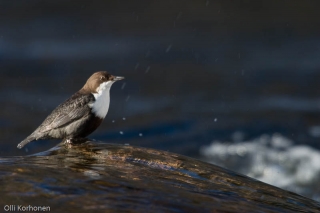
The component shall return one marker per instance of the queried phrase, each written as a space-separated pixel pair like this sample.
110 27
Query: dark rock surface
100 177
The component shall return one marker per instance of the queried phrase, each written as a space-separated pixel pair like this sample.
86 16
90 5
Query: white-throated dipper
79 115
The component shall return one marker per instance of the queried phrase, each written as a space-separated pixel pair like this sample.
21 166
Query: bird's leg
67 141
70 141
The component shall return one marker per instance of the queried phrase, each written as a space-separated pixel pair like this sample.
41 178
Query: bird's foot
73 141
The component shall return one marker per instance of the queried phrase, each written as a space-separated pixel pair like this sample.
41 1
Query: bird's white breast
101 106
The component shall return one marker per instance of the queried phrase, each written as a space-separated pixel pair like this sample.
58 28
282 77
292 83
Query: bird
79 115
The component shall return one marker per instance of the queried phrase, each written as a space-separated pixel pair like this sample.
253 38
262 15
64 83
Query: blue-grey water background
235 83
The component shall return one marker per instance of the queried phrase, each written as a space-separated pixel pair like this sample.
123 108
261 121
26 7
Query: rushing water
214 80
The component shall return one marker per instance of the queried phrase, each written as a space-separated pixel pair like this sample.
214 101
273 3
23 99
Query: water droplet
121 133
113 121
140 134
147 70
216 119
123 85
128 97
136 67
124 118
168 48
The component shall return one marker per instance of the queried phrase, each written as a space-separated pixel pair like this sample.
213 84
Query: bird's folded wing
73 109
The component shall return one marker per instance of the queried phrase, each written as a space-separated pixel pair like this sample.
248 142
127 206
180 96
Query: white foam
272 159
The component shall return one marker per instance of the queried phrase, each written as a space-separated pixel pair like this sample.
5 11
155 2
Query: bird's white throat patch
101 106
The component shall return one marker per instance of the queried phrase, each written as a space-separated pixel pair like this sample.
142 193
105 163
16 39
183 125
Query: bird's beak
117 78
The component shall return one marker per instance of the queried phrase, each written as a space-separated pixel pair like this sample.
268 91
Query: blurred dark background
234 83
196 71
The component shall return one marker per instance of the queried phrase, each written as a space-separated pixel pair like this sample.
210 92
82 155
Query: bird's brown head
96 79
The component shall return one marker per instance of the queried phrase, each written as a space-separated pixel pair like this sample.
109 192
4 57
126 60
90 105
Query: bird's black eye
102 78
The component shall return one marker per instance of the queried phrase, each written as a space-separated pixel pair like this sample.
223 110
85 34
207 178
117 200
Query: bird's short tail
25 141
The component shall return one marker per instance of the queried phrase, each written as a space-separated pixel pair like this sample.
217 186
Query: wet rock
101 177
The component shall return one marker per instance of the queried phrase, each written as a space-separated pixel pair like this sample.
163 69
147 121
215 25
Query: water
174 111
191 79
273 159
